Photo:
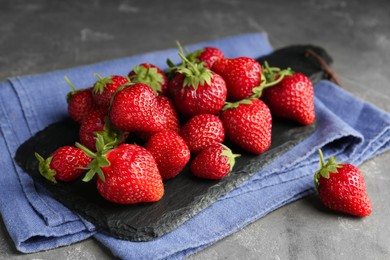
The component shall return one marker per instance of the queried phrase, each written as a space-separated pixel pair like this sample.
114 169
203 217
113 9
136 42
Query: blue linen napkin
35 221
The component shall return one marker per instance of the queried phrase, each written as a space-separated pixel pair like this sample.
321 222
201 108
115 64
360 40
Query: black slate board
184 195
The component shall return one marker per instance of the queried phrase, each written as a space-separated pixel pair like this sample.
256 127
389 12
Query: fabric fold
347 127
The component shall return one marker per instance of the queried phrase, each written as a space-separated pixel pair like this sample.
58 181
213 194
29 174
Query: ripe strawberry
208 55
200 91
292 98
214 162
248 124
134 108
104 89
93 123
241 75
128 174
80 102
341 187
65 164
170 152
150 75
201 131
97 122
169 116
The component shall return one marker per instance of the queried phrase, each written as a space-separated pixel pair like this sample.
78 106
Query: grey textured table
39 36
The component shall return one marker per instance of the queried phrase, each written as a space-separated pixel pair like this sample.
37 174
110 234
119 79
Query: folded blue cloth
348 128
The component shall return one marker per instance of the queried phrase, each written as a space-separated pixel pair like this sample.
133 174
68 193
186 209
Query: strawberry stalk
231 105
271 76
72 92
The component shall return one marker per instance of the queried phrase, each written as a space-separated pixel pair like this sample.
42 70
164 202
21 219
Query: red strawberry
65 164
94 122
292 98
134 108
170 152
208 55
201 131
169 117
104 89
214 162
248 124
241 75
128 174
175 84
150 75
97 122
200 92
341 187
80 102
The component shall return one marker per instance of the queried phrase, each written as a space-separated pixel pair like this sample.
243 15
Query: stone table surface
41 35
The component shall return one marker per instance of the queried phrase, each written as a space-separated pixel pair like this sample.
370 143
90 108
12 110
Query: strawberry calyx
99 158
101 83
195 72
326 168
233 105
149 76
231 156
110 133
44 168
271 76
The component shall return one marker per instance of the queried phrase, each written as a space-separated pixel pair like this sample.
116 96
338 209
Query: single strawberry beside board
248 124
202 131
170 152
127 174
292 98
65 164
214 162
341 187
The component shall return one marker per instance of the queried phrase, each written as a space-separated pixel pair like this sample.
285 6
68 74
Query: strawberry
214 162
208 55
104 89
80 102
202 131
65 164
248 124
93 122
169 116
341 187
97 121
292 98
134 108
170 152
200 91
241 75
150 75
127 174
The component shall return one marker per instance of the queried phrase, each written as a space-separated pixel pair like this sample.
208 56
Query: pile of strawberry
183 116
